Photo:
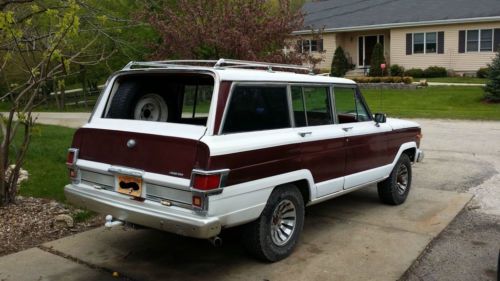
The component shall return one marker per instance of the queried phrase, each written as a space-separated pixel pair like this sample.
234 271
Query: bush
483 72
492 89
377 59
397 70
435 71
386 79
340 64
415 73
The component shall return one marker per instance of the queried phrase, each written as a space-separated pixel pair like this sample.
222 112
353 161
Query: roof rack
221 64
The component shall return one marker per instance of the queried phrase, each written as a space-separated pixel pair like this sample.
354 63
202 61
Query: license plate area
129 185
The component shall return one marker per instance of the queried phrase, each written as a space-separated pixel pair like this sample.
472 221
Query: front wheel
394 190
274 235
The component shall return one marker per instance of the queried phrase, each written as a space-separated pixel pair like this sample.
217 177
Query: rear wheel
274 235
394 190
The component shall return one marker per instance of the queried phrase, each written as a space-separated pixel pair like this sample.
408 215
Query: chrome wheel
151 107
283 222
402 179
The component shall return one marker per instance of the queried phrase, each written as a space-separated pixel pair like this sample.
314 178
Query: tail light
72 157
204 184
208 180
71 163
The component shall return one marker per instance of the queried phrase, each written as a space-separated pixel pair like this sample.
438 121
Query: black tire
257 235
125 97
390 191
498 267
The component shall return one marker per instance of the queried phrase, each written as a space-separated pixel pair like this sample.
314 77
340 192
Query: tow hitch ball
110 223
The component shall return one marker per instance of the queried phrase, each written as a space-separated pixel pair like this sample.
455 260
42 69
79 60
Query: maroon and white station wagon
193 147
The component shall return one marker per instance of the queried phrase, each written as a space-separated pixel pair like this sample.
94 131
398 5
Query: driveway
349 238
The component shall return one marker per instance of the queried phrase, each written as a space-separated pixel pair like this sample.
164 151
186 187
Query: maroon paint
224 89
152 153
159 154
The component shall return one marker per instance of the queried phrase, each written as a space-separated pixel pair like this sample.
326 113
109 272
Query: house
460 35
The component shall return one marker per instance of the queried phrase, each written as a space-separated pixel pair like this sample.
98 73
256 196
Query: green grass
45 162
471 80
433 102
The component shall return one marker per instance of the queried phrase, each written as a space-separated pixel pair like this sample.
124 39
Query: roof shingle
334 14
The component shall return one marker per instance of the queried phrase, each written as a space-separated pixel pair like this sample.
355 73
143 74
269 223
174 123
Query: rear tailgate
165 155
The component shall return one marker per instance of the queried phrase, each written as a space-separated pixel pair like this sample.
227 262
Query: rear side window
255 108
311 106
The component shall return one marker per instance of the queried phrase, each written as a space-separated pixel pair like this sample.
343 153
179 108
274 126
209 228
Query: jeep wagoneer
193 147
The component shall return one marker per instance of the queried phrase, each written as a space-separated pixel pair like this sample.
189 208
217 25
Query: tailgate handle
303 134
126 171
347 129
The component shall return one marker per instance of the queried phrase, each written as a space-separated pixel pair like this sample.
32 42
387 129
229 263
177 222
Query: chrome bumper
147 213
420 155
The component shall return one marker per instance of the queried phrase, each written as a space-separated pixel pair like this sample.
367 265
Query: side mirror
380 118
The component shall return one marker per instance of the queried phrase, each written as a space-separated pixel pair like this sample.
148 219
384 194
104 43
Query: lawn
45 162
433 102
471 80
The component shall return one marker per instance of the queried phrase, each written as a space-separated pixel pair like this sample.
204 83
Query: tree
340 64
377 59
40 43
492 89
236 29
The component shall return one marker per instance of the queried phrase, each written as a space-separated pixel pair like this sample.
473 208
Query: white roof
231 74
255 75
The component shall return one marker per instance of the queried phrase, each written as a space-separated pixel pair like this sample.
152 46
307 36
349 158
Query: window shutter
461 41
409 43
440 42
496 38
320 45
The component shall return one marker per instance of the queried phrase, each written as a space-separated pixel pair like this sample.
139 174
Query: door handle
347 129
303 134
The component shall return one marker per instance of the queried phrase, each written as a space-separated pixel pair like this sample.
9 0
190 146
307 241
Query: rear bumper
147 213
420 155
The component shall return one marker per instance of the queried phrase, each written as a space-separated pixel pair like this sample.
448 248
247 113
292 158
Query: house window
480 40
308 46
431 42
425 43
472 40
418 43
486 41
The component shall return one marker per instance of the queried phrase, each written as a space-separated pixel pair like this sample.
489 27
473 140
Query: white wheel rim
151 107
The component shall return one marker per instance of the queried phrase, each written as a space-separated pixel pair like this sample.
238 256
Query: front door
365 48
366 142
323 142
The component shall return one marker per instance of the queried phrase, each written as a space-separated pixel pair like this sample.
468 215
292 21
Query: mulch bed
31 222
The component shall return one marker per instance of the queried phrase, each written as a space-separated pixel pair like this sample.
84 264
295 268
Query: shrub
376 60
492 89
415 73
397 70
340 64
483 72
386 79
435 71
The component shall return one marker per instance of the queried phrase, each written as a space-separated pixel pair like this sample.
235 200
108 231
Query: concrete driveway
349 238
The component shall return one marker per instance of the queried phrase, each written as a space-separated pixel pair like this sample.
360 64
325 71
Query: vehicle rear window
175 98
255 108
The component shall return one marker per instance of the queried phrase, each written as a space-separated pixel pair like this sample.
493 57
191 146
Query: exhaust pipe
109 223
216 241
